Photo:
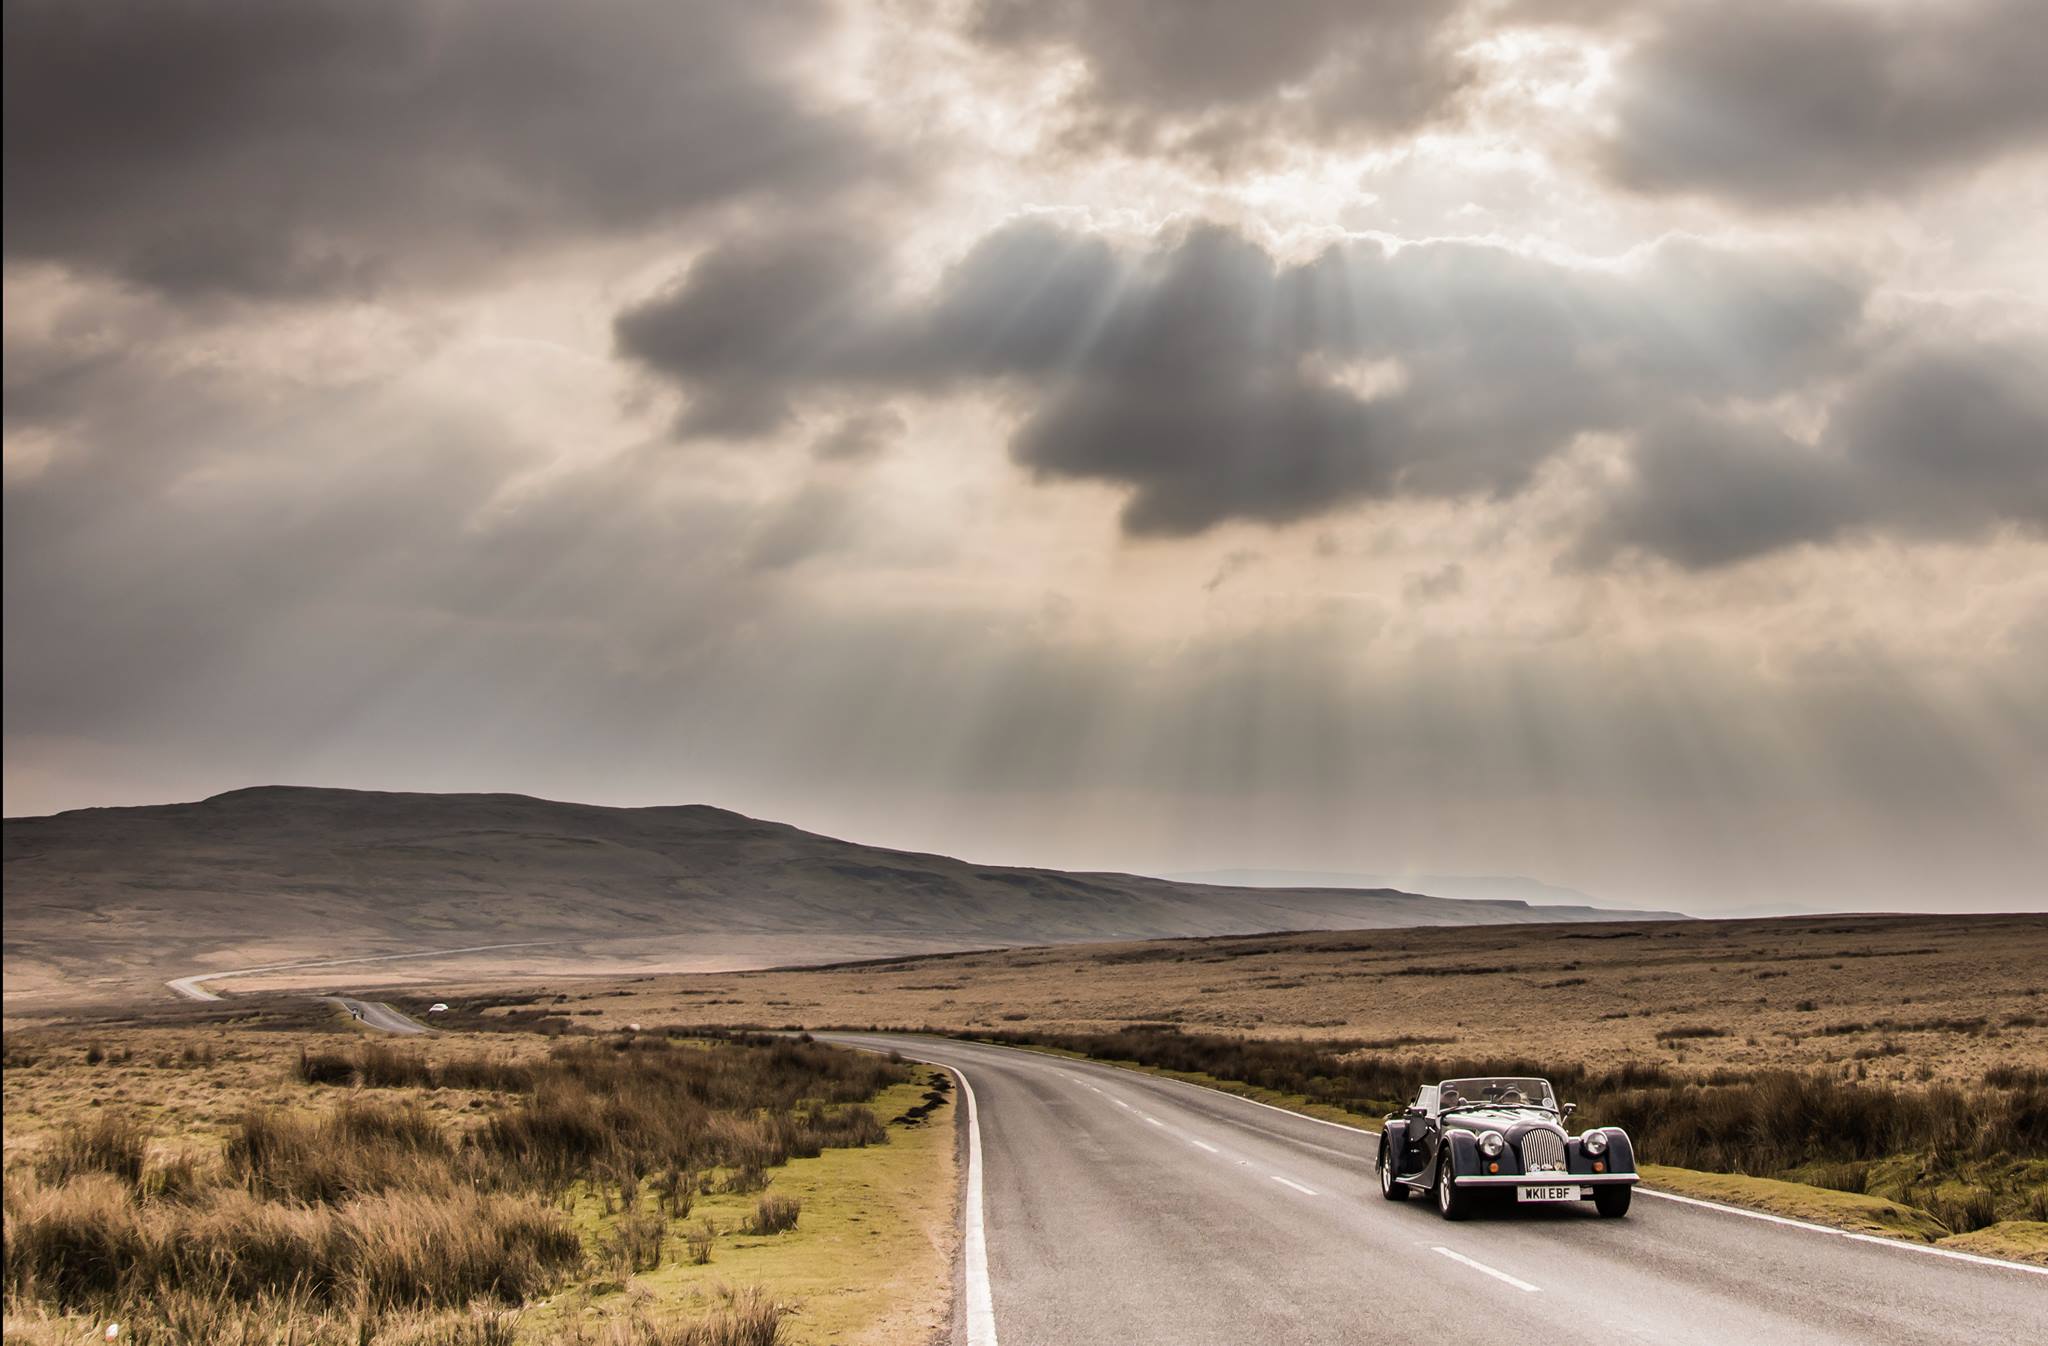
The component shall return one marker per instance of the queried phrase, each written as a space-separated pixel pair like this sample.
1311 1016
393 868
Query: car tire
1611 1202
1451 1203
1391 1186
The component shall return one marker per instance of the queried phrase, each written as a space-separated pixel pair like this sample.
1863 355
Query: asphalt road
194 986
377 1014
1117 1207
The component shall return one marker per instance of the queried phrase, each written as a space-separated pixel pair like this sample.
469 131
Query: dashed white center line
1155 1121
1203 1144
1305 1191
1125 1106
1481 1266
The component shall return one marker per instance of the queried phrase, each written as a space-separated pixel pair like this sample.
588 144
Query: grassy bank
484 1190
1958 1167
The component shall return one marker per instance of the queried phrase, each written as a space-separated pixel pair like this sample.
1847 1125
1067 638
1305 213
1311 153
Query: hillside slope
120 898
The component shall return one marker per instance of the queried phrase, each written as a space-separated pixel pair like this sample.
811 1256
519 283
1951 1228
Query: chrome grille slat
1542 1151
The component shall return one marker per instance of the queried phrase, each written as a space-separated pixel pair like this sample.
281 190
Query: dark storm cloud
253 148
860 435
1215 382
1707 493
1943 441
1779 104
1167 76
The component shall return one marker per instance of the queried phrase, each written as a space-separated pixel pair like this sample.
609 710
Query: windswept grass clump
358 1149
747 1317
113 1143
774 1214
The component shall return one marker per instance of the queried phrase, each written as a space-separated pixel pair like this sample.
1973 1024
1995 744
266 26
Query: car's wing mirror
1570 1108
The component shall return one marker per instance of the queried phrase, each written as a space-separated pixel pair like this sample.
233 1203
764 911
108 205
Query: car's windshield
1503 1091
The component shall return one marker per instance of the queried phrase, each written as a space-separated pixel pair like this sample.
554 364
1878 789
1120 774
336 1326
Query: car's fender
1463 1149
1620 1154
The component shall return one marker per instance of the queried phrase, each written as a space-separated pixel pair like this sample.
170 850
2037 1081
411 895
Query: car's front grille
1542 1151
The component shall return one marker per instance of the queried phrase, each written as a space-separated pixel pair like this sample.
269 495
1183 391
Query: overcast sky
1593 440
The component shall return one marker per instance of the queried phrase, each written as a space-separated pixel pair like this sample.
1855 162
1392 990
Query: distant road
377 1014
1117 1207
192 987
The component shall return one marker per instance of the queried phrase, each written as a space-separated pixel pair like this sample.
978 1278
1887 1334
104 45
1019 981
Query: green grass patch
1853 1211
867 1261
2014 1240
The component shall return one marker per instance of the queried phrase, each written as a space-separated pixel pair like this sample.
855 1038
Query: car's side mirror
1570 1108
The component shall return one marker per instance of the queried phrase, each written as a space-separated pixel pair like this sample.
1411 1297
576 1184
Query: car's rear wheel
1451 1203
1391 1186
1611 1202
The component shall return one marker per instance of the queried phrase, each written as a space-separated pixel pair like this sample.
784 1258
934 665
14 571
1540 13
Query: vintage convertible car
1463 1138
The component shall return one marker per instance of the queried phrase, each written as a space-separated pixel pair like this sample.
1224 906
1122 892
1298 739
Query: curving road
377 1014
194 986
1117 1207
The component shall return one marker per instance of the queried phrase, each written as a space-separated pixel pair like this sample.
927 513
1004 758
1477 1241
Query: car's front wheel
1391 1186
1451 1203
1611 1202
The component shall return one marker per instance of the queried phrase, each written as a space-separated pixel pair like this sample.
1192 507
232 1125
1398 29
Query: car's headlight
1492 1143
1596 1142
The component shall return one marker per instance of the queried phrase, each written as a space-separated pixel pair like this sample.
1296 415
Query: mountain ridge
266 874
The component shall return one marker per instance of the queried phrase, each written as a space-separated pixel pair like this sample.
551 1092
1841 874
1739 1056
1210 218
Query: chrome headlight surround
1595 1142
1491 1143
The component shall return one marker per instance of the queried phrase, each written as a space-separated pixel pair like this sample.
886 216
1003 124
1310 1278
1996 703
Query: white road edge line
1878 1239
1203 1144
1289 1182
1155 1121
981 1309
1498 1275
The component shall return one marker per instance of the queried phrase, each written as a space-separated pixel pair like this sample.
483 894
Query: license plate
1546 1193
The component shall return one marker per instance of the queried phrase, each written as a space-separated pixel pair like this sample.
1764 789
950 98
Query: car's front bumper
1545 1179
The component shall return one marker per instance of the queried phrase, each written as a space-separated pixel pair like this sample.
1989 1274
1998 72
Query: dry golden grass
1888 998
195 1184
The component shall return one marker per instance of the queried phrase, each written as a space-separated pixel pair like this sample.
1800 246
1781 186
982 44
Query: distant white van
436 1008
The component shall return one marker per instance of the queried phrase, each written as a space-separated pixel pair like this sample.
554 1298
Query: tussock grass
774 1214
113 1143
748 1317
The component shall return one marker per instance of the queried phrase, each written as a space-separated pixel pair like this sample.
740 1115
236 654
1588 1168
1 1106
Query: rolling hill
104 903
